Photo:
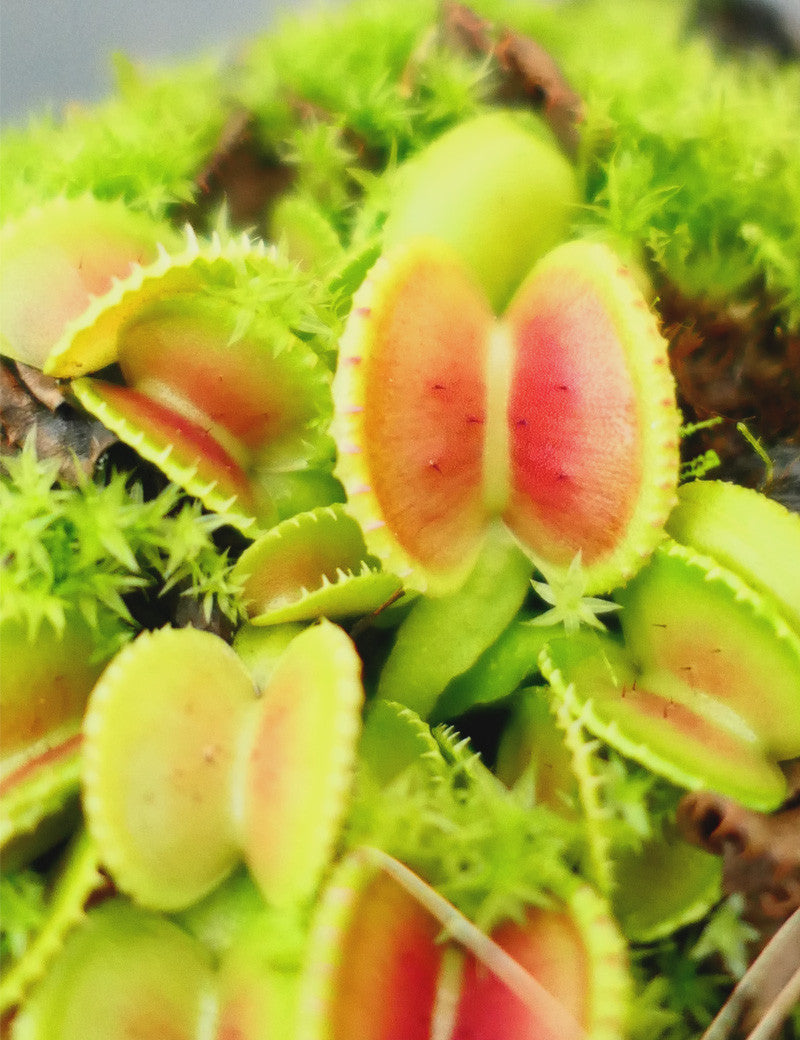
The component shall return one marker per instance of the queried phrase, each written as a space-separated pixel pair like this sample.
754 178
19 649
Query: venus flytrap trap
314 564
503 407
449 420
221 770
708 662
80 248
172 328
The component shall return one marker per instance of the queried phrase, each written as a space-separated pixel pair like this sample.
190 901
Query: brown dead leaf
526 72
62 432
46 389
760 851
241 174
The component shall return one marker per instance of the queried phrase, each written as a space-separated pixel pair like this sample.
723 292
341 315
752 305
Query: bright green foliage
144 145
283 303
479 844
85 548
23 899
688 157
360 76
726 936
568 603
686 987
688 154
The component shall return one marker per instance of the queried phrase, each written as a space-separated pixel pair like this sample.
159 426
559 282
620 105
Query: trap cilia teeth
502 405
83 249
180 786
227 412
557 420
314 564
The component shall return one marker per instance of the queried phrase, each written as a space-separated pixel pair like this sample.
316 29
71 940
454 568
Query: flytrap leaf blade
754 536
161 736
443 636
124 972
687 617
312 565
373 961
575 952
650 719
75 249
409 393
293 784
592 420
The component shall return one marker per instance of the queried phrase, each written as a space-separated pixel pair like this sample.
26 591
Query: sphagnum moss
357 128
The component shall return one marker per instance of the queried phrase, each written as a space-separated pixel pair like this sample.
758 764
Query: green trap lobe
424 410
183 351
56 259
124 974
312 565
748 533
655 719
682 617
302 746
663 886
161 736
45 684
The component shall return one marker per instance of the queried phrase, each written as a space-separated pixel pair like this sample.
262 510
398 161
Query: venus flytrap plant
449 421
711 657
502 403
188 768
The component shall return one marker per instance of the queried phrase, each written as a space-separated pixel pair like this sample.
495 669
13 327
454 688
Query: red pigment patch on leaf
684 616
44 760
390 962
549 946
679 736
193 446
299 766
691 725
573 425
44 690
240 386
75 248
424 410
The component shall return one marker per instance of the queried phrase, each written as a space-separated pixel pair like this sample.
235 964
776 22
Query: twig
785 942
556 1019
